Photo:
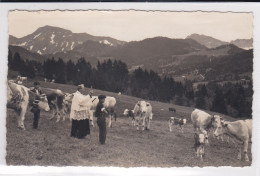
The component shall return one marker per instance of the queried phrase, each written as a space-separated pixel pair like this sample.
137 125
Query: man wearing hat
101 115
35 109
79 114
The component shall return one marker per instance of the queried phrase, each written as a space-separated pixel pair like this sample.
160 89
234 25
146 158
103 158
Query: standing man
80 114
101 115
35 109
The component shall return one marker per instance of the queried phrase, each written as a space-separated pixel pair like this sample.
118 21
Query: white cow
177 121
202 121
21 78
19 97
109 104
143 114
240 132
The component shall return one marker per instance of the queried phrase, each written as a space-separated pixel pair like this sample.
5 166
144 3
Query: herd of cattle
239 132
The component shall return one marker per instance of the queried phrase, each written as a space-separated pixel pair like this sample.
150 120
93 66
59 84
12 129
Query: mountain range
170 57
49 40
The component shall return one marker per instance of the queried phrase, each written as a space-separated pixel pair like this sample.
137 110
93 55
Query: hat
36 83
81 86
101 97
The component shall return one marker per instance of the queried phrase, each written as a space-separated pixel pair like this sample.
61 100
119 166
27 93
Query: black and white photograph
129 88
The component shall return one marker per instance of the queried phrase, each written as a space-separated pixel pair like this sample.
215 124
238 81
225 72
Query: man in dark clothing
101 114
35 109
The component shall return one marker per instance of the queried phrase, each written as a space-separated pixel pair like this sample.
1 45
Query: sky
136 25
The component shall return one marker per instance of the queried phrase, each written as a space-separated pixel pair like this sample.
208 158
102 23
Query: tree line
231 99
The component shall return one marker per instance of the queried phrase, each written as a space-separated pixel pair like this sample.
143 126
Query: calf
128 114
199 145
177 121
240 132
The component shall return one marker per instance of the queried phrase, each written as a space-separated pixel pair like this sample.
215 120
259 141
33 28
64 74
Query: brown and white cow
130 113
56 100
143 114
20 97
177 121
240 132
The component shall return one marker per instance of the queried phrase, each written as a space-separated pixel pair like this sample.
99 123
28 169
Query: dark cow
20 97
172 109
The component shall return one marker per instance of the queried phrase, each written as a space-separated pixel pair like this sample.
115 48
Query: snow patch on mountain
37 35
31 47
52 37
72 45
22 44
106 42
39 52
44 48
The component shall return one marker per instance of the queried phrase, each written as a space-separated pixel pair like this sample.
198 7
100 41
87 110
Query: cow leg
63 114
239 152
181 128
109 121
245 147
197 151
148 123
227 139
58 117
138 123
53 114
22 116
170 126
201 153
222 137
143 124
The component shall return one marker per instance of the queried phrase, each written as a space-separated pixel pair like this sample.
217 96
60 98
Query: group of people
79 114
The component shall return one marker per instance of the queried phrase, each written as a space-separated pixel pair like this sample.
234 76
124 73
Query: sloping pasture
51 144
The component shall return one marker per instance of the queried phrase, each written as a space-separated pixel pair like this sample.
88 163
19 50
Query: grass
52 145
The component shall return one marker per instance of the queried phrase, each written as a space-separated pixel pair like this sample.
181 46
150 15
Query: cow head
43 103
68 97
200 138
143 106
126 111
220 128
216 119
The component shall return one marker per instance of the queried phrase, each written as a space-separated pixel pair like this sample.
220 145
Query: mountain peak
207 41
48 28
